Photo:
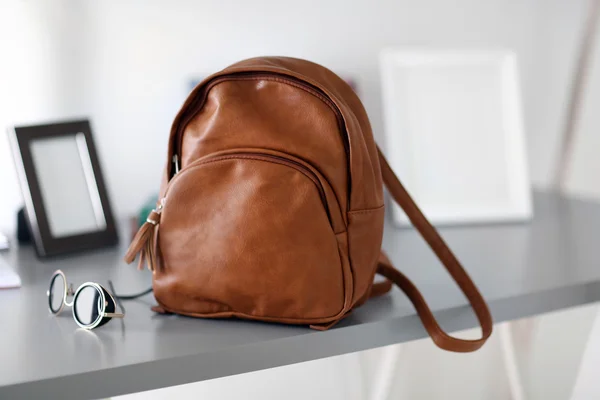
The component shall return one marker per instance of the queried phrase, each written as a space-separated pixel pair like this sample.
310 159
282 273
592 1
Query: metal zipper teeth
253 76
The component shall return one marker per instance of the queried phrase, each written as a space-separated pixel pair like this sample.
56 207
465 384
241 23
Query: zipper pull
144 242
175 162
158 210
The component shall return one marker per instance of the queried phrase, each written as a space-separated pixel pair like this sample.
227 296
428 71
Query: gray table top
522 270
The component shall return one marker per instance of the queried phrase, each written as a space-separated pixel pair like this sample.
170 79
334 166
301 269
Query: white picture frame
455 136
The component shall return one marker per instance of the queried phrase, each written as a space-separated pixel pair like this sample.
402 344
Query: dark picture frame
45 243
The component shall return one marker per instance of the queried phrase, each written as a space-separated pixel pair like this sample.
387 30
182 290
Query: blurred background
128 65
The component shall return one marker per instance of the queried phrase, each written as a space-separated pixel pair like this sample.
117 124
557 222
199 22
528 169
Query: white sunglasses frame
68 291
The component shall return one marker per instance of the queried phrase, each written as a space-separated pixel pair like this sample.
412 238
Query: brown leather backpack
272 205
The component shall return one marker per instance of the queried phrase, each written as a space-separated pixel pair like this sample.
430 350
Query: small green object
147 207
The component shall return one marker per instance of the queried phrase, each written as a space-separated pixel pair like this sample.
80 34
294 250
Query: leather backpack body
272 205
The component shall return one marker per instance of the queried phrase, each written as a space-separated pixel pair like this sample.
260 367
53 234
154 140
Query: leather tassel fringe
144 242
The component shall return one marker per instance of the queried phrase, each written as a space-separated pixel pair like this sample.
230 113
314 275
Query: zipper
260 157
175 162
269 76
158 209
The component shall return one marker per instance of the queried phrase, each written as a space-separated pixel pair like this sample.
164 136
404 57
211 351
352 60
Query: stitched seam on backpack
365 211
231 311
254 158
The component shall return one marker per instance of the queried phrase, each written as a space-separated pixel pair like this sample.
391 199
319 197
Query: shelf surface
522 270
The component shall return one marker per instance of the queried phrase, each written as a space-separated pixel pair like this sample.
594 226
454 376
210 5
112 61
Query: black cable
112 289
133 296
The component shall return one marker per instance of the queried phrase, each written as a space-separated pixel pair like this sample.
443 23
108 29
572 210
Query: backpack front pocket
250 234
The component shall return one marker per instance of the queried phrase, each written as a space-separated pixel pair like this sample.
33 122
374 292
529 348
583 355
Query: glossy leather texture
272 203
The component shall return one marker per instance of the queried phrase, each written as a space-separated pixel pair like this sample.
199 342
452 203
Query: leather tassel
141 260
144 242
150 251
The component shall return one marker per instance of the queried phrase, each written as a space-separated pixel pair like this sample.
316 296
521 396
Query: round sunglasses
92 304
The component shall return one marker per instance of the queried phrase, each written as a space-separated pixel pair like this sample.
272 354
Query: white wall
27 85
127 65
585 169
39 72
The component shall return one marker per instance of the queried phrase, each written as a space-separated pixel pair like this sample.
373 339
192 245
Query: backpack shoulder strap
450 262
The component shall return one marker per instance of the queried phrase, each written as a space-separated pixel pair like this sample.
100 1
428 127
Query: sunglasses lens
88 306
56 293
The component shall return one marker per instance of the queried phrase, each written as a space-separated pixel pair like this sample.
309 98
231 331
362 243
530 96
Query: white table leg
386 373
510 362
587 384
